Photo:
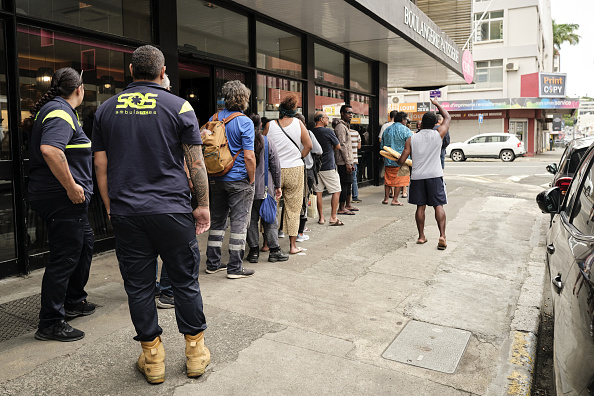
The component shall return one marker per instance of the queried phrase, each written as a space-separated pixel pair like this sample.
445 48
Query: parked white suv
487 145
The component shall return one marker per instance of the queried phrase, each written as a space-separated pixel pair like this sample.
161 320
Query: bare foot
385 201
421 241
396 203
264 247
441 245
322 221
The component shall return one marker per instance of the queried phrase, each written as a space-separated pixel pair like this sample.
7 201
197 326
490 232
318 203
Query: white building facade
511 38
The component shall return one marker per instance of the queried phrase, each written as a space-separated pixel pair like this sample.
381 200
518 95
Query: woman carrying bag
268 179
287 134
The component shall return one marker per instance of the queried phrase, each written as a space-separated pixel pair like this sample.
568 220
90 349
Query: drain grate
19 317
429 346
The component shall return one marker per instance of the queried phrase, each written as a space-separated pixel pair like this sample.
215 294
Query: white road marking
517 178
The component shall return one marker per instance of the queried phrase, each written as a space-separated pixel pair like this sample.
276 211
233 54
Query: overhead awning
396 32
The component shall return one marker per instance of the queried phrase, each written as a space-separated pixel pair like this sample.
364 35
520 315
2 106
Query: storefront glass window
208 30
278 51
329 101
360 75
195 87
130 18
272 90
329 66
360 123
106 73
221 77
7 239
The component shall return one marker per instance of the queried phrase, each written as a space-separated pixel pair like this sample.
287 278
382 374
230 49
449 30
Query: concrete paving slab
295 370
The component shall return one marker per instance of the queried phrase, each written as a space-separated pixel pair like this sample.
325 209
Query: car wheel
457 156
507 156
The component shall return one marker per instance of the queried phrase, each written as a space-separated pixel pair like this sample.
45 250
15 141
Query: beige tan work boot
151 362
197 355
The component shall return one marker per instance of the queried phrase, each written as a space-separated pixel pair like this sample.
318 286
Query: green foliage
568 120
565 33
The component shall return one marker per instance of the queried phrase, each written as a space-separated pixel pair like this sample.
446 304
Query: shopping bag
312 206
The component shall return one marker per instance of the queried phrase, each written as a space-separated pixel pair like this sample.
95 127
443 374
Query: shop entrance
202 85
520 128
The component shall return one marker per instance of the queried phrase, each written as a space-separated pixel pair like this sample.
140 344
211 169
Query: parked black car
570 255
573 154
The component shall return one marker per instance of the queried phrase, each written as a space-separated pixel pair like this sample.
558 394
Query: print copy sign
552 85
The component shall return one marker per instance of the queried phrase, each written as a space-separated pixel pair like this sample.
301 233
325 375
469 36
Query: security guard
140 137
60 188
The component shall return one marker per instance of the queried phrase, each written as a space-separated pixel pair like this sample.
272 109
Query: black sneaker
223 267
165 301
83 308
253 255
244 273
59 331
277 255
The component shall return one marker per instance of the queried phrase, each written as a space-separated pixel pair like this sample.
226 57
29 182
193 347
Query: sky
577 60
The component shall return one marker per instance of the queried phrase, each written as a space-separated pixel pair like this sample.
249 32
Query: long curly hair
64 82
237 95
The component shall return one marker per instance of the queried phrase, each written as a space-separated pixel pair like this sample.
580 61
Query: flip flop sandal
397 204
385 202
354 209
336 223
299 250
421 243
349 213
441 245
404 196
322 222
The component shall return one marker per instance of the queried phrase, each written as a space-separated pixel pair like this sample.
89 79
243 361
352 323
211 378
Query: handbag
292 141
268 207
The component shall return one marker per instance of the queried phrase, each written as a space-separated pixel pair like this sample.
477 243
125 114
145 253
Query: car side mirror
549 201
552 168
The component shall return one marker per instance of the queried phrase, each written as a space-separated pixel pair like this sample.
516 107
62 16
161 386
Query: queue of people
156 188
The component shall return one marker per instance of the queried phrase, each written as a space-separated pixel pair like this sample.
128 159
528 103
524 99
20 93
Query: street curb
519 350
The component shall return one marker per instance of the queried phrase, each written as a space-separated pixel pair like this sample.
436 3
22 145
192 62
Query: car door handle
551 248
558 282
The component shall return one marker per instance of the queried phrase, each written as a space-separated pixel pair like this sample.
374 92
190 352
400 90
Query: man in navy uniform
140 138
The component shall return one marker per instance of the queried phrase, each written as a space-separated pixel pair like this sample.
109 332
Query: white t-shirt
288 153
355 139
384 127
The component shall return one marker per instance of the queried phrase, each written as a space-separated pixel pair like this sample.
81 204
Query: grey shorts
329 179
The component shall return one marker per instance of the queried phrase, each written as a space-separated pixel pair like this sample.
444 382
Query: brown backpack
215 147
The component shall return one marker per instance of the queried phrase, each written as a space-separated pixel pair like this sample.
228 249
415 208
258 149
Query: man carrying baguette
426 185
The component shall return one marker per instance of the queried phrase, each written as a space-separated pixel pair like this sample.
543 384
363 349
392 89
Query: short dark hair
344 107
401 115
429 120
393 114
147 62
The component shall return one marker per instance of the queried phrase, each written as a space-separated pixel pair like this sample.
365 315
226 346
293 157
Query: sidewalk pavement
319 323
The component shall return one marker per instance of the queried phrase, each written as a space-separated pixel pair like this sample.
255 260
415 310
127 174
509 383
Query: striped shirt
355 139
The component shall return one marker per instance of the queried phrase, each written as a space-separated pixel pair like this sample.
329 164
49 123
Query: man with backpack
232 194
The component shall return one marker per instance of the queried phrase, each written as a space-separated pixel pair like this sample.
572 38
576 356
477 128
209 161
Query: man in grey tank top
426 178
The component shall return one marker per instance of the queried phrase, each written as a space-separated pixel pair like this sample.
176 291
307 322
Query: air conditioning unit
395 99
511 66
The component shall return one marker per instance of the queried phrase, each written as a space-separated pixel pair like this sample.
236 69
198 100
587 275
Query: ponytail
64 82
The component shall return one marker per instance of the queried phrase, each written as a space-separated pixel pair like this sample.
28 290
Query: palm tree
564 33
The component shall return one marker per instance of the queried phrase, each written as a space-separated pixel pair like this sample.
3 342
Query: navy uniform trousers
139 240
71 251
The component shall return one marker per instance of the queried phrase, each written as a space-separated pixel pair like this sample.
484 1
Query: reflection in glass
106 73
329 101
221 77
278 50
360 123
130 18
271 92
360 75
206 29
329 66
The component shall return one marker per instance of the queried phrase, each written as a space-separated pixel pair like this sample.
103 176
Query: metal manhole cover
429 346
19 317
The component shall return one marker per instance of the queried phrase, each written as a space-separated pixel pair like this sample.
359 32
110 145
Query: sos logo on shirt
137 101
